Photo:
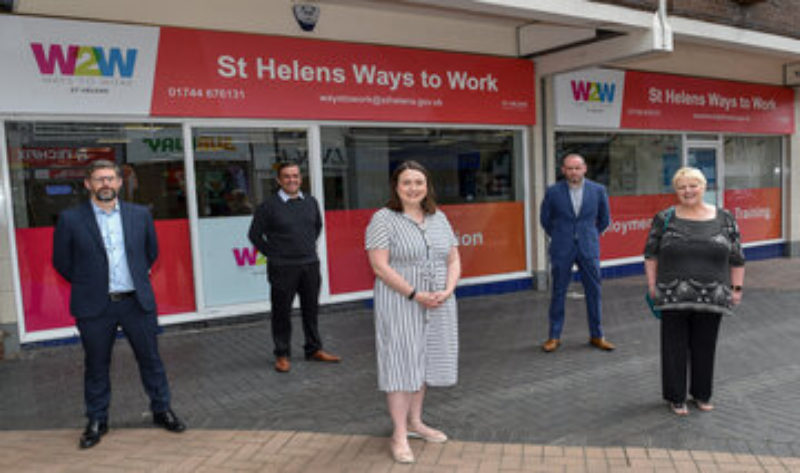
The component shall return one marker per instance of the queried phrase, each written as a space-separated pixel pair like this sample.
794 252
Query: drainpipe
635 44
663 30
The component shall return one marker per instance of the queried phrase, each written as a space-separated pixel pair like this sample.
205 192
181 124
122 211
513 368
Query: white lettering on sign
462 80
717 100
755 212
625 226
681 97
762 104
470 239
267 68
298 72
371 75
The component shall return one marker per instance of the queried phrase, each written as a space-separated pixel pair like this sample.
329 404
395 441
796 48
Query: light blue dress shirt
110 224
576 194
285 197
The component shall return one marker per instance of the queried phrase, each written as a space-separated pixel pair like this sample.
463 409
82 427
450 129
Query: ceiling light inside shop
113 141
143 127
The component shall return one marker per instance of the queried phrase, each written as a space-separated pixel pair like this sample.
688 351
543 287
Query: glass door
705 158
235 169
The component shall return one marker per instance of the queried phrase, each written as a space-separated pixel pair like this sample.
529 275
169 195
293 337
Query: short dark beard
106 198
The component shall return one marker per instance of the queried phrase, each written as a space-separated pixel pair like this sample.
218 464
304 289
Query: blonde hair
688 172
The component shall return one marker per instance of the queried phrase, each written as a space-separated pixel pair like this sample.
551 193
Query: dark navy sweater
286 232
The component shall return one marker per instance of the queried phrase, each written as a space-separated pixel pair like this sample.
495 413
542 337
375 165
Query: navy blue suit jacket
567 230
79 255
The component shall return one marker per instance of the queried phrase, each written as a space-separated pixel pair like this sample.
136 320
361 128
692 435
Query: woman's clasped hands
432 300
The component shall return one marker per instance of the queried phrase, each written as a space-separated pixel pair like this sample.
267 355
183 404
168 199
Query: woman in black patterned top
695 271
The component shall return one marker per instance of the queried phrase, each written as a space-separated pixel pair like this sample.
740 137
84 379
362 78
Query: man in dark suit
104 248
285 229
574 213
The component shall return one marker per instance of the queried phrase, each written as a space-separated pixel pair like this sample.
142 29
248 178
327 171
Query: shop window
477 175
48 160
235 170
627 164
637 170
47 167
753 185
467 166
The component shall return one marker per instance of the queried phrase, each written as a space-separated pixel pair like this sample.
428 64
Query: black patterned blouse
694 261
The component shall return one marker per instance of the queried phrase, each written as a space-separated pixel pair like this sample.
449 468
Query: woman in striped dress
413 251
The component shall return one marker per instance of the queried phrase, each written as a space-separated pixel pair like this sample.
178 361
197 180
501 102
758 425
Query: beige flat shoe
433 435
401 453
703 406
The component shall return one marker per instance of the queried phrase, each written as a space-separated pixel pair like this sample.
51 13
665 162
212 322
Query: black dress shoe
94 430
169 421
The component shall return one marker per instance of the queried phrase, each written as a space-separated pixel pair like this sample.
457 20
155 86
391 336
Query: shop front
199 121
635 129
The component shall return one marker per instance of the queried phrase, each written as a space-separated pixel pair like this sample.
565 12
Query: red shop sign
221 74
614 99
669 102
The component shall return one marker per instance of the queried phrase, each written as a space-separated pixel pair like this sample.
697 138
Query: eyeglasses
102 179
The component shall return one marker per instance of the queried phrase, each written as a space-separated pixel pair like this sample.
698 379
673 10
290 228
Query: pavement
514 409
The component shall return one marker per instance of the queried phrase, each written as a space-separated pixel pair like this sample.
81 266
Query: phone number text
209 94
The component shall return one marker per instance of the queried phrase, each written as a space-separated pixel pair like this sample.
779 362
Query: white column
542 173
792 210
8 303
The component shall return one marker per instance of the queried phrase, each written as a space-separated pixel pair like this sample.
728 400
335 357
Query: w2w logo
248 256
74 60
584 91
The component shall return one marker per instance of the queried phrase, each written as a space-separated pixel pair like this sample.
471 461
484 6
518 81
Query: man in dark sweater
285 229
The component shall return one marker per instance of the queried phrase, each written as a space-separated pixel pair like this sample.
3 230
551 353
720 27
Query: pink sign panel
616 99
757 212
631 216
220 74
491 239
670 102
45 294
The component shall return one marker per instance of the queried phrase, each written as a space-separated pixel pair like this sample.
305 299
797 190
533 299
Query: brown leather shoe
551 344
282 364
602 344
321 355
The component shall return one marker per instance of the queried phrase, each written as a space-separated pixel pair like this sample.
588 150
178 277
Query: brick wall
770 16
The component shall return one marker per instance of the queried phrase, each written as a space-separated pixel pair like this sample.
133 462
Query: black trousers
98 335
688 342
286 281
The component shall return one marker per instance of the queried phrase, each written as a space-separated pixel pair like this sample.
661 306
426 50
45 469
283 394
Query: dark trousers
98 335
285 281
561 275
688 341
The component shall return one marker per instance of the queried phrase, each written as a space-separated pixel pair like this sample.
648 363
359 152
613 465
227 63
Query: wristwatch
736 288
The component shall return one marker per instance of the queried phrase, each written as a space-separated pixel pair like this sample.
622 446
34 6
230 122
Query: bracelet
413 293
736 288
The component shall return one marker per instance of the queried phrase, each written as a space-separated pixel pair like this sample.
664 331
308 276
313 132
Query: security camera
306 15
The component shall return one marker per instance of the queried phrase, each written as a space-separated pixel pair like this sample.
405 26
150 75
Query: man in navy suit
104 248
574 213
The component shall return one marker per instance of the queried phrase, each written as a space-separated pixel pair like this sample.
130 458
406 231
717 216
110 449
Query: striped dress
415 346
